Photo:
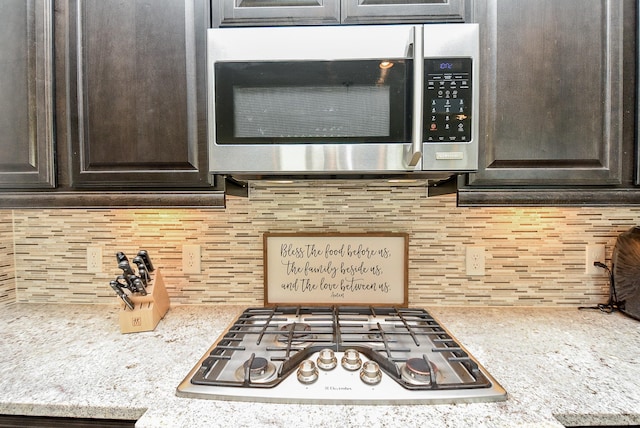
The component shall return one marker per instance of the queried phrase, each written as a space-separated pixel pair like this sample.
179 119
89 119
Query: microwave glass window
311 111
319 102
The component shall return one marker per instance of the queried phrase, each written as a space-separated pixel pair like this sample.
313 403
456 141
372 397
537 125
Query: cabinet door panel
551 92
26 101
637 105
139 92
275 12
368 11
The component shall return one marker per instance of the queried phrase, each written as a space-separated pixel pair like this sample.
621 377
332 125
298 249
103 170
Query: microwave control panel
447 102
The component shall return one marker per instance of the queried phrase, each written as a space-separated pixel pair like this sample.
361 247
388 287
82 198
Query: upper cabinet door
551 92
26 95
321 12
381 11
137 94
228 13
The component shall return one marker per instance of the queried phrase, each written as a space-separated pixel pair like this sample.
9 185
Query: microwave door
290 100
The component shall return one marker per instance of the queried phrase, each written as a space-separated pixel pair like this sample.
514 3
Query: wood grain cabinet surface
127 124
321 12
557 86
557 116
26 95
136 94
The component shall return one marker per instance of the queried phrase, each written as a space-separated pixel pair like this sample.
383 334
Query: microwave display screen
325 102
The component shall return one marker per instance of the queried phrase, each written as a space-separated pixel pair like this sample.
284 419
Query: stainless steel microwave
381 100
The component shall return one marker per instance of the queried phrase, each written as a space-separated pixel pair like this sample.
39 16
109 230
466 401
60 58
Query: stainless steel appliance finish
339 355
437 101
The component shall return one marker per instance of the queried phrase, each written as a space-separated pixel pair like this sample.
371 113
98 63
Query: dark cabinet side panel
137 93
552 93
636 180
26 96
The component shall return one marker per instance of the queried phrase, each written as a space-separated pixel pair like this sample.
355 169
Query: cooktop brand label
336 269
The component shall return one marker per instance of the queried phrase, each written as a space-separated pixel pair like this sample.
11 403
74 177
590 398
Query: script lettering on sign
337 269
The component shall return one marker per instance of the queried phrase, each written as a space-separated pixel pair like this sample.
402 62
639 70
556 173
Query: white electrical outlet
191 258
94 259
475 261
594 253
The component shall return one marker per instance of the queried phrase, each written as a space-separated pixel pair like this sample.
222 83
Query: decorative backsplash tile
7 277
534 256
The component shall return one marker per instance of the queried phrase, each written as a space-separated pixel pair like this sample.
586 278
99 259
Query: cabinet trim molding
569 197
112 199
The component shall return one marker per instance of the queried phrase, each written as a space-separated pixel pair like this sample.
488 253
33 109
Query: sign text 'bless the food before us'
339 269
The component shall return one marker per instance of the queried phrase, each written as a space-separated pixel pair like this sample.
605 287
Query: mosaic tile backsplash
534 256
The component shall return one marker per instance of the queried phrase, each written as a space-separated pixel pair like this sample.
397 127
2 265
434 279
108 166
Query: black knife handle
146 259
116 287
134 282
124 281
140 286
126 267
143 274
120 256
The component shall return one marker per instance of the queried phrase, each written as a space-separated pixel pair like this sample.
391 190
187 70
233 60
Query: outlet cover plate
475 261
191 258
94 259
594 253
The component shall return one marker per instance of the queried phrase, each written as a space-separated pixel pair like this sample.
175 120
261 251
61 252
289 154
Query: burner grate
286 336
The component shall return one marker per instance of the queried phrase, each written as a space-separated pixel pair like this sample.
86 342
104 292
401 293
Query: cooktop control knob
327 359
351 360
370 373
307 372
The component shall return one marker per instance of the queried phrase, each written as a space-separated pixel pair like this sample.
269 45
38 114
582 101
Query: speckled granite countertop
579 367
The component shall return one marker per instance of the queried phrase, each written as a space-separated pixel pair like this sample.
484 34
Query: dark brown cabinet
385 11
26 95
129 105
136 93
557 86
275 12
320 12
557 118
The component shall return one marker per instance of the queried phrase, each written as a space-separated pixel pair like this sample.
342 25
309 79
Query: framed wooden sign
336 269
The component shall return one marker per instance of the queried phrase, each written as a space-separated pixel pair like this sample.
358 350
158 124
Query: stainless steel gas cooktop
339 355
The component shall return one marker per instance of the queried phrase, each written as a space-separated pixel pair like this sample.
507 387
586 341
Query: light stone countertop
582 367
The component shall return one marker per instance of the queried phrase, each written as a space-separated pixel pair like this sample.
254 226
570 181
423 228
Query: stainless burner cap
260 371
419 371
296 332
258 365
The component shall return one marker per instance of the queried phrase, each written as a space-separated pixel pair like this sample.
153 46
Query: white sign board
336 269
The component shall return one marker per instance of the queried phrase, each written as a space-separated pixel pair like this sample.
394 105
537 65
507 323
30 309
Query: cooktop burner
341 355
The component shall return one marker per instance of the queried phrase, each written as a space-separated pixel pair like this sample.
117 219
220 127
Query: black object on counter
135 282
624 276
116 287
147 260
625 267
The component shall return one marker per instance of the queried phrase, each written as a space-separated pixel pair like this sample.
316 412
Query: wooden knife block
147 310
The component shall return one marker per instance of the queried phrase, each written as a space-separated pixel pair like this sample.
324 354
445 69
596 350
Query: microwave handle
413 152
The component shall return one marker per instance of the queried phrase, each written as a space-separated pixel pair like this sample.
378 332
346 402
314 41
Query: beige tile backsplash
534 256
